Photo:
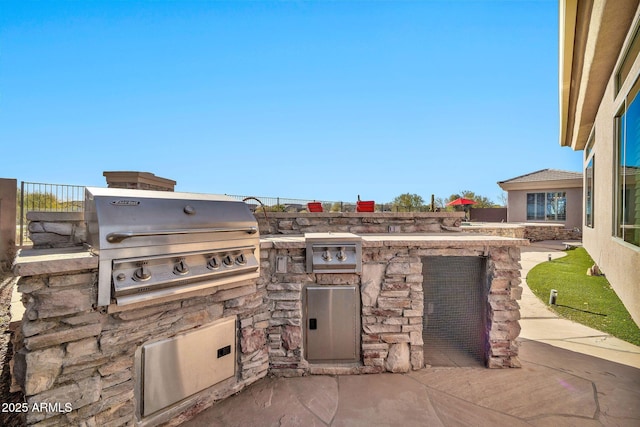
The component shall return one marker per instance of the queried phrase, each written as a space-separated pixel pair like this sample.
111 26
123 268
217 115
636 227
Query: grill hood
153 244
120 218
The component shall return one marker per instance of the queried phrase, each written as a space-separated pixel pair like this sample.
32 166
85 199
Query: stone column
138 180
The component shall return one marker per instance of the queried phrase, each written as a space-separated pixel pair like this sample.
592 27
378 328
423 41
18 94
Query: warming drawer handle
118 237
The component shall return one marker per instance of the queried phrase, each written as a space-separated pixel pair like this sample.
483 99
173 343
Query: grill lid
120 218
155 244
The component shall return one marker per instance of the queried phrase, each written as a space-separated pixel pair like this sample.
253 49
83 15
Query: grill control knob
214 263
142 274
181 267
228 260
342 255
241 259
326 255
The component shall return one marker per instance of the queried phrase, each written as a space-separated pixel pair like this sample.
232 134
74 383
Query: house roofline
591 36
567 19
556 184
510 180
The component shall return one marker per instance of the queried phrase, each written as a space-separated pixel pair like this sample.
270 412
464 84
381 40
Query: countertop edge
439 240
33 262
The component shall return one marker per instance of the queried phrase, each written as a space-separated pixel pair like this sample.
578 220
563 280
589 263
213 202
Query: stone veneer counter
32 262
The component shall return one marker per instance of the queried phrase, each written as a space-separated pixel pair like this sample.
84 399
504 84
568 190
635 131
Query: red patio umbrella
461 201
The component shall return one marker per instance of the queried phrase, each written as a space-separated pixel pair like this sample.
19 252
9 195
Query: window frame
536 215
631 52
547 208
589 182
619 200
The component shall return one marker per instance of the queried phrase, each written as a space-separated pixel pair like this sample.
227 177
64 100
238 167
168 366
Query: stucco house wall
8 189
618 260
594 40
544 181
517 207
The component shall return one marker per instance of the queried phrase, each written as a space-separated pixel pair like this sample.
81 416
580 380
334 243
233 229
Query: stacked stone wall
56 229
532 232
139 186
358 223
138 180
392 304
284 300
392 309
69 353
517 232
503 310
548 232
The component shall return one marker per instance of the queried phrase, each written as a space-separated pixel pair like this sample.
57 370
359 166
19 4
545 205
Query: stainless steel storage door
332 332
176 368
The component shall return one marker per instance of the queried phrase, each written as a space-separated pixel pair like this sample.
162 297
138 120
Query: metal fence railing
37 196
281 204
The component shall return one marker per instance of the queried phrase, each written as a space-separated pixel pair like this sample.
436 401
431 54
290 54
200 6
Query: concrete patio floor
554 387
570 376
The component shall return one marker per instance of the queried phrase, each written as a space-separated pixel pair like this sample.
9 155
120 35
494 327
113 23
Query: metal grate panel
454 310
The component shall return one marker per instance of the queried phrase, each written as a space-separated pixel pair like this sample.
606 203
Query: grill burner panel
154 243
131 276
333 253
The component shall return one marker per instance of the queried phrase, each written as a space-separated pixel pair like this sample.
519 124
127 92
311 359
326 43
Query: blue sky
319 100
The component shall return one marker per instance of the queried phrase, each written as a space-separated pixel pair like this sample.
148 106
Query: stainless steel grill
154 244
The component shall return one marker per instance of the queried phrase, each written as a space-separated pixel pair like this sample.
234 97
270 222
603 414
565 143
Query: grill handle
118 237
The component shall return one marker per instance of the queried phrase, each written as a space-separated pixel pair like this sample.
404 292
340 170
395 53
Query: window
589 181
547 206
535 206
588 193
629 58
628 170
556 206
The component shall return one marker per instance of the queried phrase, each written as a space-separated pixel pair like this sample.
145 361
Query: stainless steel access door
332 332
176 368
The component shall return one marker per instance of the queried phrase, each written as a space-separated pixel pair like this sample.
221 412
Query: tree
440 203
37 201
408 203
503 198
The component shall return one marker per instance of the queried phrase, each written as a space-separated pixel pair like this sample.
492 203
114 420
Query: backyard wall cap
55 216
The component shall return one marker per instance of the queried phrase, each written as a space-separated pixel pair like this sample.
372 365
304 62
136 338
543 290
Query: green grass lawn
589 300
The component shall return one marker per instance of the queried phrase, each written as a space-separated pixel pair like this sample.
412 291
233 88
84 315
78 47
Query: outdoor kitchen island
86 358
393 313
